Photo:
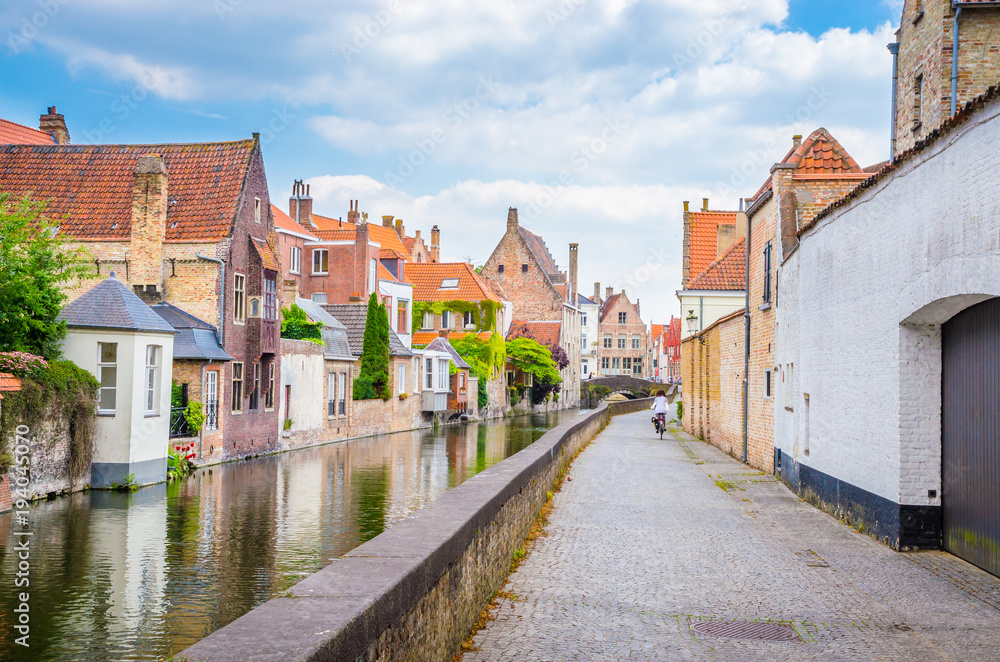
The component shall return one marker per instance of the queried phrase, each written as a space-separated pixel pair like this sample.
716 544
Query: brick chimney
400 230
597 293
290 290
571 291
387 221
54 124
149 226
300 205
796 141
435 245
511 219
353 216
704 204
608 292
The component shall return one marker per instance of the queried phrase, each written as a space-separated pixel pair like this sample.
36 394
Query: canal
141 576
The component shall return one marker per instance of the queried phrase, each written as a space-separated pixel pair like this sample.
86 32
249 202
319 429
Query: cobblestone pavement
652 538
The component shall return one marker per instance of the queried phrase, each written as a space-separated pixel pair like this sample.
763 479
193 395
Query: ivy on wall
485 312
486 358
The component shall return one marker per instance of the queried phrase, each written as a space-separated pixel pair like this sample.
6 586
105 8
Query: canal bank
415 591
141 576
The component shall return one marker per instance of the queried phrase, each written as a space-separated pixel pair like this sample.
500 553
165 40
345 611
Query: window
331 394
151 403
429 373
237 403
269 393
239 298
622 341
767 383
107 375
605 363
212 400
295 260
583 340
607 341
372 275
583 320
626 365
616 365
416 375
918 92
636 340
461 380
499 268
342 393
524 268
767 273
401 382
254 307
446 319
256 210
270 298
321 261
443 374
428 322
402 316
637 365
622 318
449 284
585 368
318 297
255 392
469 318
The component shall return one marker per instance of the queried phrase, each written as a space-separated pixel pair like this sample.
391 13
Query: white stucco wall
306 374
875 280
708 306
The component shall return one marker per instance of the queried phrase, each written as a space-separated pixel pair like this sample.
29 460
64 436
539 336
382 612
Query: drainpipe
201 432
220 332
746 342
954 62
894 49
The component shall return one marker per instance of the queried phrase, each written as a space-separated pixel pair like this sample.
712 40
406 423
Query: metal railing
212 415
178 422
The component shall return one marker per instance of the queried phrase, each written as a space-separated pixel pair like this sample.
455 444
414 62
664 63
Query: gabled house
589 334
463 394
187 224
522 270
115 336
667 350
625 344
716 292
447 283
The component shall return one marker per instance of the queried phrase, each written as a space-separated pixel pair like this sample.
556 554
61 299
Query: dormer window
449 284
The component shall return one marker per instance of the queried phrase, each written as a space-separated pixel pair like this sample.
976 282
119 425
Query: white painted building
116 337
589 336
861 306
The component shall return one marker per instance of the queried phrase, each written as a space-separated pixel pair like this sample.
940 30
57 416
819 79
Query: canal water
141 576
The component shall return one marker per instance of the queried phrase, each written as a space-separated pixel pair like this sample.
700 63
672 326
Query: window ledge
918 17
917 127
765 306
150 415
320 273
106 414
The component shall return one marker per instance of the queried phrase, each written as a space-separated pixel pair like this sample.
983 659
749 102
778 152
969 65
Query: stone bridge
592 391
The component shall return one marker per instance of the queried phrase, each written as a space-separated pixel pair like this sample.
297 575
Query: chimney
511 219
444 333
608 292
400 230
704 204
687 206
416 234
796 141
573 256
435 245
597 292
290 290
54 124
149 224
387 221
300 205
353 216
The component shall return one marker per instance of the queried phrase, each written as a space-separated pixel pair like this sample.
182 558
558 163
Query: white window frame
254 307
416 375
269 394
320 258
468 318
402 378
318 297
256 210
101 366
295 260
372 275
151 390
270 298
636 342
239 298
429 374
446 319
331 395
622 342
212 395
428 322
443 374
342 394
622 318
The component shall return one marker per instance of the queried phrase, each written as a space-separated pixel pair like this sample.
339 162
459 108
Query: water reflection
141 576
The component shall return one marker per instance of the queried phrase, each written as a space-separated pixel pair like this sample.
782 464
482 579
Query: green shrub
680 410
295 325
195 416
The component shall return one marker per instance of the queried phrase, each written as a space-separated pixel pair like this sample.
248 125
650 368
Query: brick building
185 224
928 85
521 270
444 282
667 350
625 347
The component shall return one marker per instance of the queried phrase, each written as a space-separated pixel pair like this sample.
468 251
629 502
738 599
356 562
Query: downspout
894 49
220 332
954 62
746 341
201 432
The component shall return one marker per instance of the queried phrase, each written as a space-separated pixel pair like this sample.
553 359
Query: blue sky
595 118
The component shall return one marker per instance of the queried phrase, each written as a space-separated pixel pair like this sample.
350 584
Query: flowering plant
21 363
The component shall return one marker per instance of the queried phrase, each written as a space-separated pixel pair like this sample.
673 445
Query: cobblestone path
651 539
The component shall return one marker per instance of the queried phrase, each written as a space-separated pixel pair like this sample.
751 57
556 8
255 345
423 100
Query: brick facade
633 333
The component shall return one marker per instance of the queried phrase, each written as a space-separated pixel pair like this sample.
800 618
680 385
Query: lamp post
692 322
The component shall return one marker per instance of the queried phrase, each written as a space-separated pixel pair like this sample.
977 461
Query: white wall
709 307
306 374
874 282
399 291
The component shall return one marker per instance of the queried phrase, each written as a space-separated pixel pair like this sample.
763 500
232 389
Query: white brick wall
860 307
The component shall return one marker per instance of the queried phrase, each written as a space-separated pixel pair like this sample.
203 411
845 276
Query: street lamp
692 322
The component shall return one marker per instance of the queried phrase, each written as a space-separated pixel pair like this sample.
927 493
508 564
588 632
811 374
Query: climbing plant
295 325
486 358
527 355
485 312
373 380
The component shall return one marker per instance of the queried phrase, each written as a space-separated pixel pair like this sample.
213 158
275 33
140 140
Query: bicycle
660 423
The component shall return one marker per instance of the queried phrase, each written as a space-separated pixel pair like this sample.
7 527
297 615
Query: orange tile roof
267 257
9 382
427 278
703 245
383 236
385 274
546 333
657 330
427 337
819 154
89 187
727 273
283 221
18 134
390 254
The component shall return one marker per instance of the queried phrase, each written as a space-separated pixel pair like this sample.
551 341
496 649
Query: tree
35 259
373 380
527 355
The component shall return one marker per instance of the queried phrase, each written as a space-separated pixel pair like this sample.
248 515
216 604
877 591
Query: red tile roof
9 382
546 333
18 134
283 221
607 305
703 244
390 254
385 274
267 257
427 278
427 337
541 252
89 187
819 154
728 273
332 229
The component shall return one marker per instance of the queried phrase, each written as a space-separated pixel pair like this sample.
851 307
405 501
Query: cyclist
659 408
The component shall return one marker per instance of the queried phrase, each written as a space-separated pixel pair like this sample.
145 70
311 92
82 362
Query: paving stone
653 536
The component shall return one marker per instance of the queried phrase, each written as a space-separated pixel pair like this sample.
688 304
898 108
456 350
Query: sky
596 119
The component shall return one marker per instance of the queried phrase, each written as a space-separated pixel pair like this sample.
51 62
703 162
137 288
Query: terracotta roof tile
422 338
390 254
428 277
546 333
88 188
703 247
267 256
727 273
283 221
9 382
18 134
819 154
385 274
328 228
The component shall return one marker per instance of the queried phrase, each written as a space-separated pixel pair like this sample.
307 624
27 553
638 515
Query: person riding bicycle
659 408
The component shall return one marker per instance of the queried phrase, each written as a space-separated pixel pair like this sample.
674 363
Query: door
970 435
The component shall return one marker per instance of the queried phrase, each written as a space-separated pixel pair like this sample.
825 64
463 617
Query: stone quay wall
415 591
